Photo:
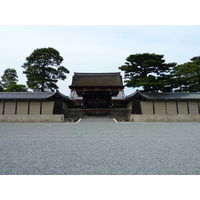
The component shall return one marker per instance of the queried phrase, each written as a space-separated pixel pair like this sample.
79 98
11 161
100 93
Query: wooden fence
117 113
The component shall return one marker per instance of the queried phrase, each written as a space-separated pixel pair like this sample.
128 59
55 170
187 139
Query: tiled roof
25 95
172 95
30 95
97 80
164 96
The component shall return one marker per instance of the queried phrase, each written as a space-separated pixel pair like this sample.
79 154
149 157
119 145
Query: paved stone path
99 147
96 119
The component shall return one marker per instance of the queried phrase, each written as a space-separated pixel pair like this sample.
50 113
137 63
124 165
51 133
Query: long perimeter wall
167 111
29 111
170 107
26 107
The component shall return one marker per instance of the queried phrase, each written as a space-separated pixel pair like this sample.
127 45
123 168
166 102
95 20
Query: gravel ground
100 146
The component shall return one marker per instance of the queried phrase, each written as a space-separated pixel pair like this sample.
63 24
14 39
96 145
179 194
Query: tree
16 88
9 77
1 87
43 69
187 76
147 70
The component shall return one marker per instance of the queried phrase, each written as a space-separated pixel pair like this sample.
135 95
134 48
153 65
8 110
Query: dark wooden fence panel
119 114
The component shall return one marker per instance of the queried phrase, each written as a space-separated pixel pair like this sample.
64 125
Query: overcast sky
96 48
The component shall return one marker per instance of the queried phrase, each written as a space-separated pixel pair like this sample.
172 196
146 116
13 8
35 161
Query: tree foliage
9 77
43 69
1 87
16 88
147 70
186 77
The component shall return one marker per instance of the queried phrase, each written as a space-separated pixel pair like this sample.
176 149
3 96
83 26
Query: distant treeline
146 71
150 72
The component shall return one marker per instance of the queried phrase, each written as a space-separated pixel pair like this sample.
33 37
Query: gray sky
96 48
84 32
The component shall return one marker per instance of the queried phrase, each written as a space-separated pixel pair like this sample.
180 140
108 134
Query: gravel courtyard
100 146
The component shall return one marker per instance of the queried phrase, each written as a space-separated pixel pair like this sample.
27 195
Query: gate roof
110 80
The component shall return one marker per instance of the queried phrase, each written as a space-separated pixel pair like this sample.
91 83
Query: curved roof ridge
96 73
